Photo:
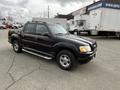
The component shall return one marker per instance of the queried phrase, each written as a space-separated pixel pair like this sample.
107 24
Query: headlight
85 49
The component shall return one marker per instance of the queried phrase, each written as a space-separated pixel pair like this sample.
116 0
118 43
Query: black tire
17 47
85 61
70 63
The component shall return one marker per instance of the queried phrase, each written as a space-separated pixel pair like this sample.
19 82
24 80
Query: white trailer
104 19
100 18
60 21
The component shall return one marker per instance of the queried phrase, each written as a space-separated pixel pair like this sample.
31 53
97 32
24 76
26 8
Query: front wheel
16 47
66 60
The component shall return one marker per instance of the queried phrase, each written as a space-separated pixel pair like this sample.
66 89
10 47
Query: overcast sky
25 9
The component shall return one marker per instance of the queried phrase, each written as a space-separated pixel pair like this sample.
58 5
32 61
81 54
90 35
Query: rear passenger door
28 35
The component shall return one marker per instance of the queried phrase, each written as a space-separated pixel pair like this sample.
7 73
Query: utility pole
48 11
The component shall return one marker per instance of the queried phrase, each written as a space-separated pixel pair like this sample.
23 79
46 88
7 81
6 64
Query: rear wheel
66 60
16 46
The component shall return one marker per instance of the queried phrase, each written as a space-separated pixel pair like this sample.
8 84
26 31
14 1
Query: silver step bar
45 57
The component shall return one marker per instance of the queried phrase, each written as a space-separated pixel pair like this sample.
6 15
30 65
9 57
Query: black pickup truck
52 41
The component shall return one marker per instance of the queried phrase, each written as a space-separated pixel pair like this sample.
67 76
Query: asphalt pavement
28 72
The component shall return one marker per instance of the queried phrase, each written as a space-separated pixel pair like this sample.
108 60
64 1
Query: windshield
57 29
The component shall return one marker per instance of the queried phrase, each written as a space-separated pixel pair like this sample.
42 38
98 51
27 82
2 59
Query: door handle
37 38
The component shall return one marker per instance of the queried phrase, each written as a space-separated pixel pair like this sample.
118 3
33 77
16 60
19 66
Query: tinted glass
41 29
30 28
57 29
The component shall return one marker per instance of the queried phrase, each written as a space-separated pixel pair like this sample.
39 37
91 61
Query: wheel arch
14 37
68 47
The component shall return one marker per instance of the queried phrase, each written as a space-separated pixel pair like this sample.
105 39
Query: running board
45 57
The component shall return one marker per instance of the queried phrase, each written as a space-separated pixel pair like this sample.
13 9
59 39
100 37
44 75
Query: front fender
15 36
63 45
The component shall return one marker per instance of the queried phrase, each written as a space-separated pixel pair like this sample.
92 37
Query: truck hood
78 39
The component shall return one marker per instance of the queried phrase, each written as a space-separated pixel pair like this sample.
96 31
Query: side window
30 28
41 29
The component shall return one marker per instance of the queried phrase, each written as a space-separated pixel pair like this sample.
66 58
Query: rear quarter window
29 28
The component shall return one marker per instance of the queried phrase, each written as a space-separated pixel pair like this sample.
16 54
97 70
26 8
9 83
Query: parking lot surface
28 72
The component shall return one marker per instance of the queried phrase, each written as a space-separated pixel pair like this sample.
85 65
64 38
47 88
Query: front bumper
87 56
